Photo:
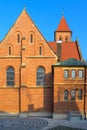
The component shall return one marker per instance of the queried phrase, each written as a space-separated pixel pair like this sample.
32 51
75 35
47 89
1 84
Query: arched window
40 76
19 38
10 76
65 95
73 94
80 94
60 38
40 50
31 38
9 51
66 39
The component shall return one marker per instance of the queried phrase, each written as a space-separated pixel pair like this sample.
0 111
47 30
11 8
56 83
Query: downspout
85 93
23 38
20 78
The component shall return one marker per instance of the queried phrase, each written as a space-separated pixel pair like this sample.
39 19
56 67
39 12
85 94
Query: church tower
63 33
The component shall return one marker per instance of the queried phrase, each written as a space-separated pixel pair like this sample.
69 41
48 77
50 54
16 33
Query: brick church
41 78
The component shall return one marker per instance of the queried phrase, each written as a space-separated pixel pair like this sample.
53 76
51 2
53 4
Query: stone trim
60 116
10 57
69 83
37 87
10 114
41 57
40 114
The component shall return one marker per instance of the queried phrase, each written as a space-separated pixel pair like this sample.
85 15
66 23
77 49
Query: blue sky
46 14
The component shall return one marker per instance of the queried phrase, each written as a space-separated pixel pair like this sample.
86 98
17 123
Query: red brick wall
30 100
60 84
40 99
26 59
9 100
32 66
4 64
62 35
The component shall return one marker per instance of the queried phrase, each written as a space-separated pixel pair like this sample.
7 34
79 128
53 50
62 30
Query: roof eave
69 65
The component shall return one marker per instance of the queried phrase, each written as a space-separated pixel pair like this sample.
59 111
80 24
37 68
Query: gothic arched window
10 76
31 38
40 76
40 50
10 52
66 39
19 38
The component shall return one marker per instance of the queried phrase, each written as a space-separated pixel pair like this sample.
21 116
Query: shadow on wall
40 98
8 114
27 99
70 103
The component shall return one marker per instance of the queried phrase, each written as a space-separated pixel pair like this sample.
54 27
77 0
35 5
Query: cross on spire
63 12
24 7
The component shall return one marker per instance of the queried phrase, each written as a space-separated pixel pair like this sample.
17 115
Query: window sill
34 87
73 101
10 87
73 78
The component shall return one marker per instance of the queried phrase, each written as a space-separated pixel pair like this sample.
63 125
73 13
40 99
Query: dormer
63 32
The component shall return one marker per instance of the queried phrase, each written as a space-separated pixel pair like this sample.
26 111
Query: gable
24 26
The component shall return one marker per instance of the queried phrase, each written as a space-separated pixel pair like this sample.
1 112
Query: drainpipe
23 38
59 50
85 93
20 78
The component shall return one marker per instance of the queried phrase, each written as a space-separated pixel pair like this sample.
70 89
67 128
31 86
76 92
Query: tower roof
63 26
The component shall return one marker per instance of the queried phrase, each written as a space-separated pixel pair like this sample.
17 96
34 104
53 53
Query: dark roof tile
71 62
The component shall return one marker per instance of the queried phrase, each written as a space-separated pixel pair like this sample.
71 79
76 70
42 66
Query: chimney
59 49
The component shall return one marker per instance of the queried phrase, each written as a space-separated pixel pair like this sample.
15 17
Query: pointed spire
63 26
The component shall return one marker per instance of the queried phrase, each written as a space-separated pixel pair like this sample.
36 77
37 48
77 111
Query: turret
63 32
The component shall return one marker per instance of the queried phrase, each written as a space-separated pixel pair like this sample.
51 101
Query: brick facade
25 50
61 84
25 58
